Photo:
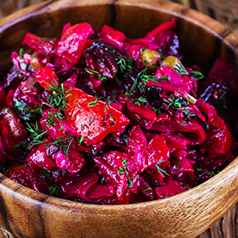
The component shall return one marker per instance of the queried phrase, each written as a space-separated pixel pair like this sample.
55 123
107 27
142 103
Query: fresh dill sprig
64 142
196 74
36 134
125 65
101 77
124 169
161 171
143 77
188 114
93 102
180 69
59 94
139 100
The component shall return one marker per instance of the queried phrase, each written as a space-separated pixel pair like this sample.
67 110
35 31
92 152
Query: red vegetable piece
135 52
93 119
113 37
73 162
137 140
218 134
183 163
39 158
141 109
44 45
155 152
73 40
12 132
171 188
137 144
196 132
100 190
47 78
65 28
220 139
223 73
174 142
30 176
119 170
107 170
162 27
78 184
145 189
174 82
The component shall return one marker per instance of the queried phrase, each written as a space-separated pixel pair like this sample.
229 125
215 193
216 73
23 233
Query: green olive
39 60
151 58
174 63
171 61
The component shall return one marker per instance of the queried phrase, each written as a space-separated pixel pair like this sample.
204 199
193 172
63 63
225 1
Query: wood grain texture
224 8
223 11
26 213
9 6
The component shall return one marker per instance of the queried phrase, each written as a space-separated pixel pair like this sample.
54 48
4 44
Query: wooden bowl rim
199 190
192 16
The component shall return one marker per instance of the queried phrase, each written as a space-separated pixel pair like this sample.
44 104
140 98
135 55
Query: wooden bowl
27 213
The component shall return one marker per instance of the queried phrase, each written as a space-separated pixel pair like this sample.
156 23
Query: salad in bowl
97 117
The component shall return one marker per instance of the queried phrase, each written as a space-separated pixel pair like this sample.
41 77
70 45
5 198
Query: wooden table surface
227 226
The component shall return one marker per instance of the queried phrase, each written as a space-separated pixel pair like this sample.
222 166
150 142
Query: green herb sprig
36 134
124 169
180 69
125 65
196 74
161 171
101 77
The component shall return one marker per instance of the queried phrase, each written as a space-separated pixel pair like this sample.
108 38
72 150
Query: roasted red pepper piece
220 137
73 41
39 44
162 27
93 119
47 78
113 37
196 132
